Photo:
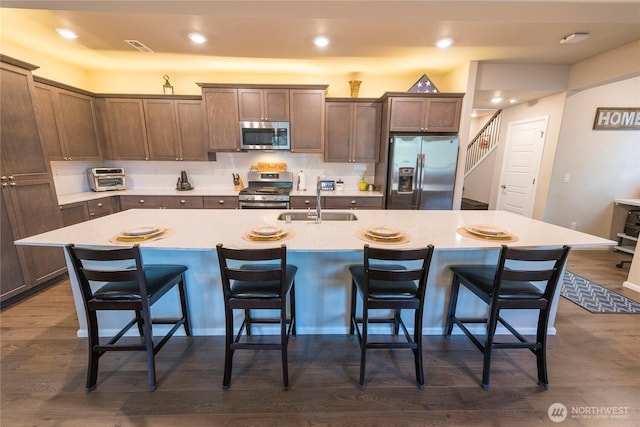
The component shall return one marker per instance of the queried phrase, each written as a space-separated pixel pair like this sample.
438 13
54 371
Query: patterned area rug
595 298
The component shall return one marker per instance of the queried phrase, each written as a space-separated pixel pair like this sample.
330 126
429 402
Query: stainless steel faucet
318 214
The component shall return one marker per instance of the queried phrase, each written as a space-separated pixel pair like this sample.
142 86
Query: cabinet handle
177 158
99 205
306 202
141 201
4 184
3 178
182 202
70 158
92 214
353 202
13 184
221 202
10 177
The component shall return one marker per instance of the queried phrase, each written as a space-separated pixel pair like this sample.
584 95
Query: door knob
503 186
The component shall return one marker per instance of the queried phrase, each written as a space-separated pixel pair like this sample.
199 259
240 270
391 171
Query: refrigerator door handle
419 179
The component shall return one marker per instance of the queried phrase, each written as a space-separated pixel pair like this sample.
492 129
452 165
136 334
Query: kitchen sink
326 216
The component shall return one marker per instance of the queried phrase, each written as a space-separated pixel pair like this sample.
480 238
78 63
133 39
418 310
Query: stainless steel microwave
264 136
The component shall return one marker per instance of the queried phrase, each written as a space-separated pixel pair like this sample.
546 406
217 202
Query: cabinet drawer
221 202
100 207
188 202
74 213
140 202
303 202
353 202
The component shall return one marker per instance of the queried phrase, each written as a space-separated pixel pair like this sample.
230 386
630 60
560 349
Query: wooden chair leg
292 308
541 353
247 322
417 338
93 340
283 347
148 341
363 344
228 352
492 324
185 307
352 314
453 302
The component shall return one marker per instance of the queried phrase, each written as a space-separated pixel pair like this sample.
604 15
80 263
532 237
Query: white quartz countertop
65 199
202 229
629 202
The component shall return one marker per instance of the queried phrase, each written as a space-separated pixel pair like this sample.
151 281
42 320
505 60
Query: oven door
263 205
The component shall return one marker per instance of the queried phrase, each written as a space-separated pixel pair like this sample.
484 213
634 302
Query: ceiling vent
141 47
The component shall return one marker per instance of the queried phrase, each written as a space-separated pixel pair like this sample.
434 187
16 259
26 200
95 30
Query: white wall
602 164
550 106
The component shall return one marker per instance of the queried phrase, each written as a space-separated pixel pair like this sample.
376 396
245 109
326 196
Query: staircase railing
484 142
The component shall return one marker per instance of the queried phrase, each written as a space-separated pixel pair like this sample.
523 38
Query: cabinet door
276 105
338 131
23 155
79 126
162 129
408 114
74 213
126 127
33 209
221 109
443 114
12 262
250 105
263 104
366 132
307 120
220 202
46 108
191 130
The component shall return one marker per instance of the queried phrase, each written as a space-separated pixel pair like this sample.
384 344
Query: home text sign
617 119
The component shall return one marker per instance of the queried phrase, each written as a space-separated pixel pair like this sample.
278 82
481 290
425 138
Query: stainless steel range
266 190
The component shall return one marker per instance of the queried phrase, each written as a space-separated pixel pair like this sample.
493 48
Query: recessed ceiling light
67 34
321 41
197 38
496 99
444 43
574 38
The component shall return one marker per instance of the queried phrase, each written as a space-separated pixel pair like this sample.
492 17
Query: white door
521 165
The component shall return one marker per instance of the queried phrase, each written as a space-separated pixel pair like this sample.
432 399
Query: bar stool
130 285
257 279
395 287
523 279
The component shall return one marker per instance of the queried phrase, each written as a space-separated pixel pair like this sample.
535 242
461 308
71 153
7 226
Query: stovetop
267 186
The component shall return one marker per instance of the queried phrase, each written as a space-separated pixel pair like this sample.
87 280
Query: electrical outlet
566 178
573 225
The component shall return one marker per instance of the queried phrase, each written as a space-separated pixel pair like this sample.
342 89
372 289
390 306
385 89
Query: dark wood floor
593 361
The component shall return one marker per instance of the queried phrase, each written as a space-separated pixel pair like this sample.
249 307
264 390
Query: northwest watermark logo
557 412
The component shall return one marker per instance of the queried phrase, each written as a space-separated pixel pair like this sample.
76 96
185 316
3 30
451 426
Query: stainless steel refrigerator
422 171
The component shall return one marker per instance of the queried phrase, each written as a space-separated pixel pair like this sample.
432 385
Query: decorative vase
362 185
355 87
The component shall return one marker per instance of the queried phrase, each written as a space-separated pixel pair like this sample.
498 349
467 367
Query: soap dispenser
302 181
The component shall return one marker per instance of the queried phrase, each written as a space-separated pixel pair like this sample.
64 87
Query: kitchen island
322 253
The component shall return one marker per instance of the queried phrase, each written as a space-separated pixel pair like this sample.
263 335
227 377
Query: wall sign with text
617 119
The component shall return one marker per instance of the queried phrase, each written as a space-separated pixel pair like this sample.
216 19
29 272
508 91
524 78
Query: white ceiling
370 37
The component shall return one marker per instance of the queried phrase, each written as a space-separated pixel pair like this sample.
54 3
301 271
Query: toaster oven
105 179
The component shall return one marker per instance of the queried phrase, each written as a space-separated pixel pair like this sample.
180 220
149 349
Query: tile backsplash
70 177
